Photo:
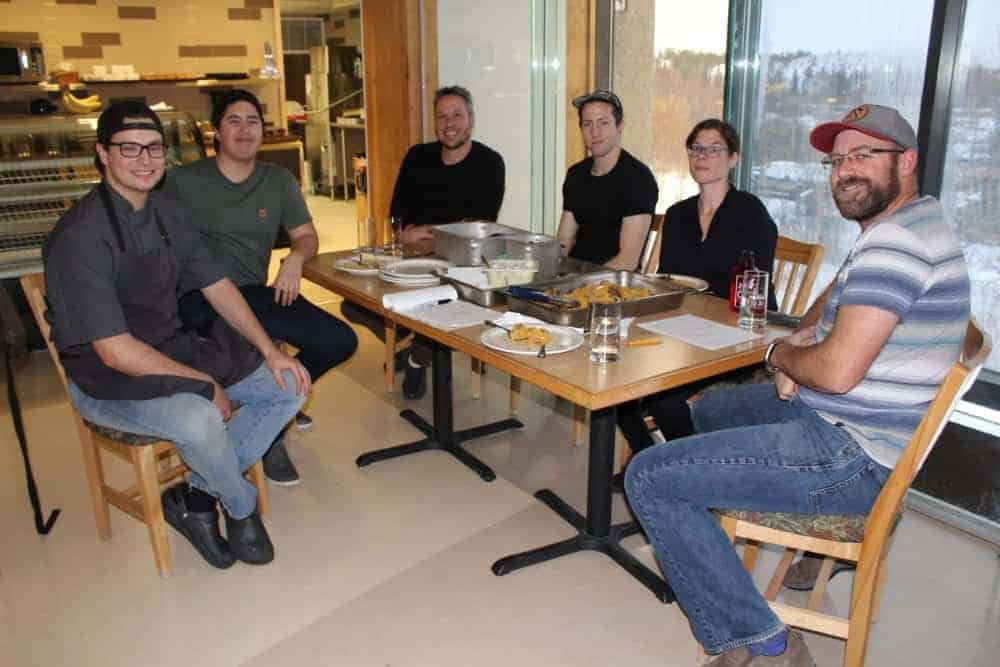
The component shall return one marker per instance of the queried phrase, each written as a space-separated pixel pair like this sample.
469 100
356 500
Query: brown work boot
796 654
738 657
801 576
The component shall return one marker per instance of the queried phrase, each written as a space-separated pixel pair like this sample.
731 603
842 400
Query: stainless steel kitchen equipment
664 297
47 164
544 249
466 243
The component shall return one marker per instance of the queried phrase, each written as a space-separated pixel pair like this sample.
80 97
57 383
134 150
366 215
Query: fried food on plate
527 334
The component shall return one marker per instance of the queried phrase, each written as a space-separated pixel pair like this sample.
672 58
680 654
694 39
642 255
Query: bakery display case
47 164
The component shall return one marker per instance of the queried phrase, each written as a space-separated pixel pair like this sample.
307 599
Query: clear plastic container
502 272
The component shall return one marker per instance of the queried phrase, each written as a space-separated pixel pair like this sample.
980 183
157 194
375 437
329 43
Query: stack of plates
413 272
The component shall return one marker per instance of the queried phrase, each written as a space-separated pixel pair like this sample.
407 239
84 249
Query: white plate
690 282
409 282
415 268
564 339
354 267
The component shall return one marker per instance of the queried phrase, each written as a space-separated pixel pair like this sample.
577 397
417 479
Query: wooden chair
863 540
150 457
792 288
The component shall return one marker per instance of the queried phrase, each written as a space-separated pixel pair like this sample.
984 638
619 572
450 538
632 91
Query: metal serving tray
466 243
495 296
484 296
664 297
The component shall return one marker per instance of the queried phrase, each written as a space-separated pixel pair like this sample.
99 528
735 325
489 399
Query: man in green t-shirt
237 203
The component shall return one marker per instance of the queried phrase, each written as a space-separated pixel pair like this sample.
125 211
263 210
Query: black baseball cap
138 115
599 96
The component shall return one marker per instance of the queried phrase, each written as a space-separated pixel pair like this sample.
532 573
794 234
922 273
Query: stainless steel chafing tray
466 243
495 296
664 297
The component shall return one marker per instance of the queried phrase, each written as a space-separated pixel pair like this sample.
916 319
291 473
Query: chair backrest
795 267
650 257
34 291
963 373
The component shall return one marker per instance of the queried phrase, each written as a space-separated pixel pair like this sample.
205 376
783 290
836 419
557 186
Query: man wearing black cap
851 385
608 198
113 265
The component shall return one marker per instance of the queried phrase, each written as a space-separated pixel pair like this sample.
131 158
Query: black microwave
21 62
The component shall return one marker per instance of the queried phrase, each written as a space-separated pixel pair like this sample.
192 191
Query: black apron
146 284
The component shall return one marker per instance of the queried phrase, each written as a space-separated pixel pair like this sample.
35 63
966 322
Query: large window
971 188
809 67
670 70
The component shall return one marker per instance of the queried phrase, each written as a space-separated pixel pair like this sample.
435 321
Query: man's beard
878 198
457 142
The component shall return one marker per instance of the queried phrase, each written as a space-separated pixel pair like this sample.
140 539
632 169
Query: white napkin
510 318
400 301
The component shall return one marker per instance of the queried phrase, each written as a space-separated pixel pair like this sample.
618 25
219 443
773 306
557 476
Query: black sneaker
618 482
249 539
278 467
303 421
414 382
200 528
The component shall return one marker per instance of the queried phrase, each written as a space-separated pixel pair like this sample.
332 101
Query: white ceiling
315 7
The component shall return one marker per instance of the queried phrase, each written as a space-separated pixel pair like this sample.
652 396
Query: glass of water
753 307
605 331
366 241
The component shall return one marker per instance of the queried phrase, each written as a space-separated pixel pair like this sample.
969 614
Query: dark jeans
420 352
323 340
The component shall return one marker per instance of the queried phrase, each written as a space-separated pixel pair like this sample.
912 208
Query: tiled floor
389 565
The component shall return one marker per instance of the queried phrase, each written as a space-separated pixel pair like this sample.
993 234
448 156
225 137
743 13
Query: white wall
486 47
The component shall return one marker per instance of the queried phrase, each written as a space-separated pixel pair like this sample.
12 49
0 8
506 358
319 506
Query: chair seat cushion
121 436
835 527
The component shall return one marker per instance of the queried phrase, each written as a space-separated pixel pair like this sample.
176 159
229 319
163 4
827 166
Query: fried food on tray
531 335
603 292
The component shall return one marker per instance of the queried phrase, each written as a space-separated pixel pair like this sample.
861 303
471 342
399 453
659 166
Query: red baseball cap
872 119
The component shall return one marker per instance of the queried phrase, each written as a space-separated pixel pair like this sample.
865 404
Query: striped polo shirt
910 264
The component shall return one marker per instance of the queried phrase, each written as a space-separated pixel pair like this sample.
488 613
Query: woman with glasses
703 236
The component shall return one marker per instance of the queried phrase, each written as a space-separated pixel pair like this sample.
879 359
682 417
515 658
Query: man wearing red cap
851 385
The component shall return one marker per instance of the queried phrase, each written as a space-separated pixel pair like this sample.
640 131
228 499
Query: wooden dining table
598 387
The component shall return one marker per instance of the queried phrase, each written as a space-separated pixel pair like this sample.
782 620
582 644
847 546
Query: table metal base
441 435
594 532
452 446
583 541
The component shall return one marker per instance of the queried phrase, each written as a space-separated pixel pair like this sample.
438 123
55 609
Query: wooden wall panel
392 93
579 69
429 42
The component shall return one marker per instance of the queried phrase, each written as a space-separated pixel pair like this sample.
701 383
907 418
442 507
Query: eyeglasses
860 155
712 151
132 149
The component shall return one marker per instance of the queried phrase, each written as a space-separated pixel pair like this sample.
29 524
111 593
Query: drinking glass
753 307
394 237
605 332
366 241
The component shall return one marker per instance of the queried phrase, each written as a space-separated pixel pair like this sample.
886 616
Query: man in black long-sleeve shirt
448 180
451 179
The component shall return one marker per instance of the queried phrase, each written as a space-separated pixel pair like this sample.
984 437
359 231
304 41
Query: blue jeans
216 452
752 451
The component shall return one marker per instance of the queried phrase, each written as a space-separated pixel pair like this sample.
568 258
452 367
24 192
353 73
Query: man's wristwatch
767 356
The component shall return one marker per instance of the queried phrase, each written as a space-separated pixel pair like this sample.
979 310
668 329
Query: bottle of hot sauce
747 262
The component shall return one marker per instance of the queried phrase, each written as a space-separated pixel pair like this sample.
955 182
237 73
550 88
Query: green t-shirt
239 221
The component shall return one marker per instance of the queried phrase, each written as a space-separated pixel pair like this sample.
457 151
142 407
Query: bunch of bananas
81 105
